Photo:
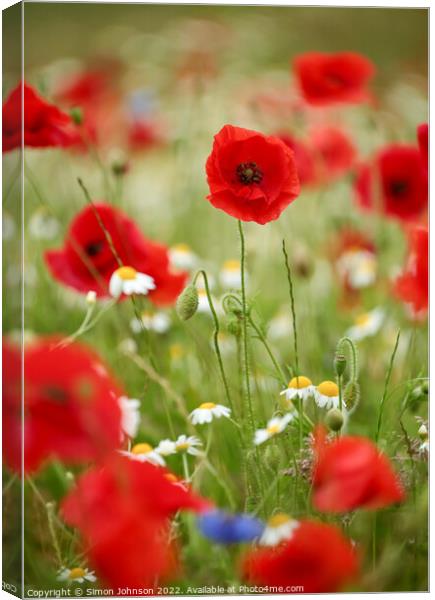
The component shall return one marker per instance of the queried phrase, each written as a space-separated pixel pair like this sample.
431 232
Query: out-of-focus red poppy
11 405
331 78
423 142
412 286
143 135
44 124
333 151
317 557
70 401
251 177
304 159
394 183
350 472
123 512
86 262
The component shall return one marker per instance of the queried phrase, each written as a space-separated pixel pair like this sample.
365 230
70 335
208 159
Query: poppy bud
339 364
76 115
187 303
417 393
272 456
233 325
351 395
425 387
119 168
422 432
232 306
334 419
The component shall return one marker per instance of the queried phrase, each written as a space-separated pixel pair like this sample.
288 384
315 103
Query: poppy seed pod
351 395
334 419
339 364
187 303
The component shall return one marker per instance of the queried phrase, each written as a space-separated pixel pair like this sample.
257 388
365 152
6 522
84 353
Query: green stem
216 337
387 381
245 328
353 355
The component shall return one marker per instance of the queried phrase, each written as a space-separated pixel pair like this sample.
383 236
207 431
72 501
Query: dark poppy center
94 248
399 188
249 173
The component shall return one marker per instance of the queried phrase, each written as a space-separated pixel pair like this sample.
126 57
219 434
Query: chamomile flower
230 275
189 444
423 448
358 267
158 322
208 411
326 395
182 257
43 226
75 575
145 453
128 281
299 387
274 426
130 415
278 528
366 324
166 448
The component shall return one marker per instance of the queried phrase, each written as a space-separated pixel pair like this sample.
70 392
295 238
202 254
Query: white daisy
182 257
130 415
366 324
126 280
144 453
274 426
158 322
299 387
189 444
230 275
326 395
358 267
43 226
166 448
278 528
208 411
75 575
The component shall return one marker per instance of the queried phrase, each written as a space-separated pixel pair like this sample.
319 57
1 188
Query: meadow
332 290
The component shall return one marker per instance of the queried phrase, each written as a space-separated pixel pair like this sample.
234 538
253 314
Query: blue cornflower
225 528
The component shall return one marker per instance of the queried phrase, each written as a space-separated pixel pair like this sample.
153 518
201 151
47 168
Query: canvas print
215 300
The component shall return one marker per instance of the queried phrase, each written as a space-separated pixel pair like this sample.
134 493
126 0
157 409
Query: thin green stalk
387 381
216 337
292 304
50 517
245 327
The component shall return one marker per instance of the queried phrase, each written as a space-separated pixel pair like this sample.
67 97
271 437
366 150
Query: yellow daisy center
278 520
362 319
76 573
299 382
141 449
328 388
126 273
231 265
207 405
184 248
272 429
182 446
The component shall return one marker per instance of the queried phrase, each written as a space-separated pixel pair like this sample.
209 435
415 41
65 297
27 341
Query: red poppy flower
86 262
316 557
122 511
413 285
71 405
44 124
330 78
394 184
350 472
333 151
423 142
143 135
11 405
305 164
251 177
